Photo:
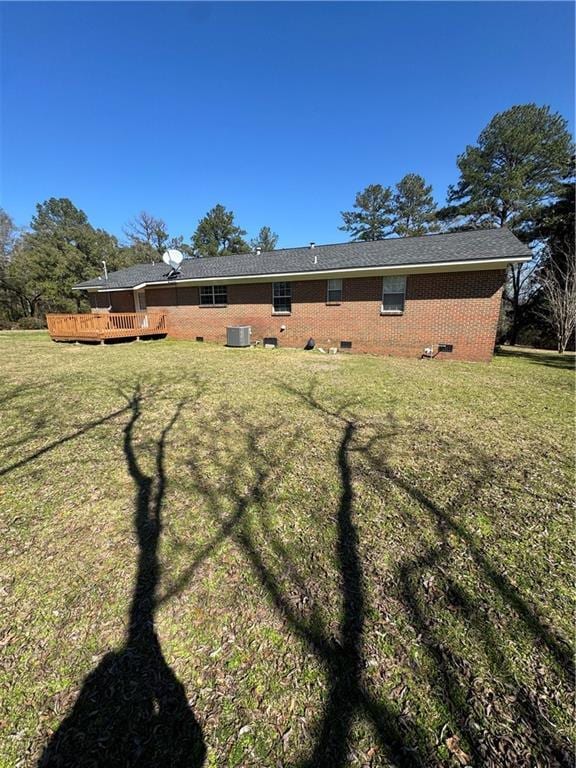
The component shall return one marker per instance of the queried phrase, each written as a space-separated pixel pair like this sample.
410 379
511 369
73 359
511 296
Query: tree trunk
515 301
513 333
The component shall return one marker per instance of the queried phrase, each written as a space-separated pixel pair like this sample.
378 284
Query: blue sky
281 112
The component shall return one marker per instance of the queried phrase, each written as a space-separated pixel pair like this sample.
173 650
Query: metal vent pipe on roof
312 244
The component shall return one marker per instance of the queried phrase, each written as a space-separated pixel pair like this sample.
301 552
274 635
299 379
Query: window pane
393 293
206 294
220 294
282 304
393 302
282 297
213 294
395 284
282 289
334 290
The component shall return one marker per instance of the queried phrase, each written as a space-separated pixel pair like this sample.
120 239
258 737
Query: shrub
31 324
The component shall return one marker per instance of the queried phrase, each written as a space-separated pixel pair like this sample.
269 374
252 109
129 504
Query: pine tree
514 170
60 250
414 207
265 241
218 235
516 167
373 217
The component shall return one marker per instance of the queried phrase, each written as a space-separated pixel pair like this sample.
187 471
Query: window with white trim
212 295
334 291
393 294
282 297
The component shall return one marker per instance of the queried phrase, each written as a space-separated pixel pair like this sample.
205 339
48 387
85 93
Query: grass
278 558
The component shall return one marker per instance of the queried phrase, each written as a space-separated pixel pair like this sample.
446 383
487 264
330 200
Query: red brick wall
459 308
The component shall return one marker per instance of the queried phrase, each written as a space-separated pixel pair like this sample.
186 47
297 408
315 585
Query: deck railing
106 325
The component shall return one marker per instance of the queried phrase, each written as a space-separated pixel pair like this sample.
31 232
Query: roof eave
440 266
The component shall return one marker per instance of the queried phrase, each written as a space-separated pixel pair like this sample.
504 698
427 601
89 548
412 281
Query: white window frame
331 289
394 285
281 311
212 303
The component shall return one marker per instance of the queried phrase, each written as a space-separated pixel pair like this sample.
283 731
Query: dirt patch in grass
259 559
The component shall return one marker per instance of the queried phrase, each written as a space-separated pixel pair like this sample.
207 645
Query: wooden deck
100 326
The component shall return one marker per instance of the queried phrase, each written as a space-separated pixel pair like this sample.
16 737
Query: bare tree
558 283
146 228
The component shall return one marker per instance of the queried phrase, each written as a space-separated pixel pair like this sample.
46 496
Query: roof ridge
411 238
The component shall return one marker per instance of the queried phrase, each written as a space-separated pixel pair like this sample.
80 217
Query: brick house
396 296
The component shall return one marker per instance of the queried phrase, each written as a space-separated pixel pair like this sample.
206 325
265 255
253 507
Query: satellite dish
173 258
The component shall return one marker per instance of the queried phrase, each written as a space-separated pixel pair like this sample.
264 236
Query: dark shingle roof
486 244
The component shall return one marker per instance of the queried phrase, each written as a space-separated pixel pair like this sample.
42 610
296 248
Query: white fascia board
438 266
97 289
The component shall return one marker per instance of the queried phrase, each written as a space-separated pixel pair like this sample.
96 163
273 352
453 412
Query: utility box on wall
238 336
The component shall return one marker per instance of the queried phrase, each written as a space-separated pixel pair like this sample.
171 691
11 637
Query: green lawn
281 558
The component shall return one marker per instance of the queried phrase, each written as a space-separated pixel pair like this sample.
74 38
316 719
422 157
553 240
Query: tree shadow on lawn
503 725
41 418
501 721
132 710
61 441
341 655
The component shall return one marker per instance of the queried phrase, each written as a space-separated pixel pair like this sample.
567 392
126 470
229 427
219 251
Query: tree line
40 266
519 174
